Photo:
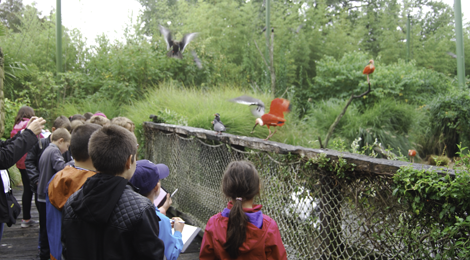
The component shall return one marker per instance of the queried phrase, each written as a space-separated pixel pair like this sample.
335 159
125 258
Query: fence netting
319 216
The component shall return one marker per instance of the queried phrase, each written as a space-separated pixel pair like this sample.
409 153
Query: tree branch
332 127
262 56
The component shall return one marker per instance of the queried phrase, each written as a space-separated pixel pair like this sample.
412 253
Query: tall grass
198 106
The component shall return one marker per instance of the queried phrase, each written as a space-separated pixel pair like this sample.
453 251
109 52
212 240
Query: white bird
256 105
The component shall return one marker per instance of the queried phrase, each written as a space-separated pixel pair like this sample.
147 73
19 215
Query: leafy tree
10 13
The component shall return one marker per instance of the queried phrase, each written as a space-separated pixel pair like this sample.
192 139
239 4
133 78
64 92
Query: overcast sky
95 17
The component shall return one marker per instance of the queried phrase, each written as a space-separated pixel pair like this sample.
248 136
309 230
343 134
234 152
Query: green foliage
402 81
11 109
439 203
450 119
392 123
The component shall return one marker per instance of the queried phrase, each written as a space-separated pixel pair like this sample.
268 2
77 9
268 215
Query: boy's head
61 137
124 122
88 115
75 123
80 138
61 122
112 150
77 117
147 175
103 121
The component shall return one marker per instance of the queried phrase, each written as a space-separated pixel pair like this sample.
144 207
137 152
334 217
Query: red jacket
264 243
18 127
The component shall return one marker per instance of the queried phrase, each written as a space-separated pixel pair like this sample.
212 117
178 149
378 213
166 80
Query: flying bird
196 60
369 69
452 54
174 48
219 127
275 117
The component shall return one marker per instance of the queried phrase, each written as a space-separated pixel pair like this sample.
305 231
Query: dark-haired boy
50 163
66 182
106 218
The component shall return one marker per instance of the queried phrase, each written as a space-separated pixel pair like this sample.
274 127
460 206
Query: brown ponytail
240 182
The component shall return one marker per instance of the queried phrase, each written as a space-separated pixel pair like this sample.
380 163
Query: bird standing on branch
174 48
219 127
369 69
275 117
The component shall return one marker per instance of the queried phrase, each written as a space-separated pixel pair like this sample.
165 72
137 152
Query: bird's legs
270 135
368 82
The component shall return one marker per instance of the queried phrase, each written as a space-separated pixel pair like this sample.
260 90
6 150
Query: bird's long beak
254 128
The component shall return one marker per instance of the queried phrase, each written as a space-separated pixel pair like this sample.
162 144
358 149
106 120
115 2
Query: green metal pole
268 33
459 42
59 36
408 39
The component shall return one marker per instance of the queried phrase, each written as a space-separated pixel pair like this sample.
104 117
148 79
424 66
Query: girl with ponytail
241 230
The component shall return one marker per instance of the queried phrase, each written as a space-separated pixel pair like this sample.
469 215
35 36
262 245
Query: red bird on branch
369 69
275 117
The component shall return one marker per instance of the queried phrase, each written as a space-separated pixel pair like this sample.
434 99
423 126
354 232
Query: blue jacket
173 243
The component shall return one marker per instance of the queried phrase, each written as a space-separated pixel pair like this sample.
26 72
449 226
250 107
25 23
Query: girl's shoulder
20 126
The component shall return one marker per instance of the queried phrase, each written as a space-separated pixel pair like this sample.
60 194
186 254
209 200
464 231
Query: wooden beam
363 163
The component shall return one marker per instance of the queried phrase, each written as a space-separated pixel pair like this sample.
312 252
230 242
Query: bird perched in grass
219 127
412 154
369 69
174 48
275 117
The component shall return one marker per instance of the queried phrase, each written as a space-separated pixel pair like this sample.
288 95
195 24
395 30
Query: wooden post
2 101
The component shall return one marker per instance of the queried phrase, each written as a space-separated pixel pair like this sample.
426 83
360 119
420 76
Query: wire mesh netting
319 216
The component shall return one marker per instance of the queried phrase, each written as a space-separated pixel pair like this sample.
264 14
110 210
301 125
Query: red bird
412 154
275 117
369 69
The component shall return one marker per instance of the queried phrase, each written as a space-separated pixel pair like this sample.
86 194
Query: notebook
189 233
160 200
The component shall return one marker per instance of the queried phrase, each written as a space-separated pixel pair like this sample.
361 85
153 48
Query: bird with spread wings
275 117
175 49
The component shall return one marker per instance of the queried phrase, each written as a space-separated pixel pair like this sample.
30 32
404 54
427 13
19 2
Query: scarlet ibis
412 154
219 127
369 69
275 117
175 49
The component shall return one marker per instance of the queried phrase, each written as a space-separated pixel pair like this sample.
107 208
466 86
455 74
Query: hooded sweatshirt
61 186
263 239
107 219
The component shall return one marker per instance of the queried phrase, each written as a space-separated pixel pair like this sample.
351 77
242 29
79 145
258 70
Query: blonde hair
100 120
124 122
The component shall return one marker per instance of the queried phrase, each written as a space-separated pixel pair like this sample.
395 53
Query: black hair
110 148
80 138
24 112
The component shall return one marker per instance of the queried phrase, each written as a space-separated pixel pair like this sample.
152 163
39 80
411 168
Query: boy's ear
53 129
129 161
60 140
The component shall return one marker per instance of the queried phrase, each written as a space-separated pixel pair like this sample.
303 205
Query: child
147 177
32 159
51 161
66 182
107 218
241 231
22 118
100 120
124 122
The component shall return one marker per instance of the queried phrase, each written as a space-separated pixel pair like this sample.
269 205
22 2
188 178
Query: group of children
95 200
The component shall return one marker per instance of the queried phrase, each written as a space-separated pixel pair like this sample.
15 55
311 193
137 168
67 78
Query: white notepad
189 233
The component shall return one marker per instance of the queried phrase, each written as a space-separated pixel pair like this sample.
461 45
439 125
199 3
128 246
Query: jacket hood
98 198
255 216
65 183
